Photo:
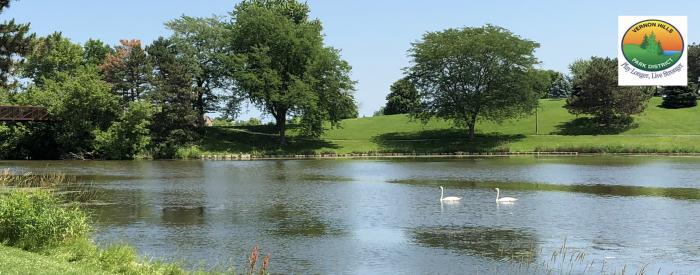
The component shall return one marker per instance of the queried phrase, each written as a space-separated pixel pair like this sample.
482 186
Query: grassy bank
657 130
44 231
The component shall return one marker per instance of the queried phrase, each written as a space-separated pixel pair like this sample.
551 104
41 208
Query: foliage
651 44
128 136
402 99
51 58
596 92
222 122
694 63
464 74
561 86
202 45
128 70
95 52
16 42
680 96
82 102
36 220
253 121
379 112
175 98
282 66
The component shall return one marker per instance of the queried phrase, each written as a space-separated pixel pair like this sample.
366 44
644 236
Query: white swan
504 199
442 191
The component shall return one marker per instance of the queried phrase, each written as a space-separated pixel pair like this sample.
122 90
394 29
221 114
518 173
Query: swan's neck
441 193
498 192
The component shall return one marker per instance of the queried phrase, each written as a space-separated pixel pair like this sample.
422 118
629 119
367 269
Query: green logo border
622 45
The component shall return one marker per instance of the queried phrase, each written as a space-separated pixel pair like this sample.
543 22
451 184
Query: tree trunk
200 109
282 127
472 125
471 131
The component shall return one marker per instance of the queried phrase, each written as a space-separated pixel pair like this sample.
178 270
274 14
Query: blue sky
373 35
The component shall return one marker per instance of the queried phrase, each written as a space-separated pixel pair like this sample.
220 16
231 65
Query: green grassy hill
656 130
646 57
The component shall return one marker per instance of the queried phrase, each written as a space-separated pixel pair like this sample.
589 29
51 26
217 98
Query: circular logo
652 45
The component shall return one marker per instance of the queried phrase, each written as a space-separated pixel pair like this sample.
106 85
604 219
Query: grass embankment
657 130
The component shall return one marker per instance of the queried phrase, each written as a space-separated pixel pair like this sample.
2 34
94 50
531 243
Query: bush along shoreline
43 232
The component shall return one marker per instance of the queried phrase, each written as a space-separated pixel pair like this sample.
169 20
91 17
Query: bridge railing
23 113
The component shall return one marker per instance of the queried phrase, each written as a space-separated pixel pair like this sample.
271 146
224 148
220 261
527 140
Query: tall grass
566 260
190 152
33 220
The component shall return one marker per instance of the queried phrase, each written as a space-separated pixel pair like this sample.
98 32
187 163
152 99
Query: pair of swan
454 199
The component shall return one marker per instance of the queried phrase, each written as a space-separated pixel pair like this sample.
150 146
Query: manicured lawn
656 130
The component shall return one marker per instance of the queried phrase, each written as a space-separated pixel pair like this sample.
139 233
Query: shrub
35 220
190 152
679 97
128 136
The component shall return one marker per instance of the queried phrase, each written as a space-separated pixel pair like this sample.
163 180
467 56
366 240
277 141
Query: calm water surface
384 216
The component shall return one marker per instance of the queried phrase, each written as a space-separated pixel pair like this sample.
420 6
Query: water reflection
183 215
495 243
382 216
594 189
295 221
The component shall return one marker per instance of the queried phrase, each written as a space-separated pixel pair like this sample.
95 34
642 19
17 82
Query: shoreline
244 157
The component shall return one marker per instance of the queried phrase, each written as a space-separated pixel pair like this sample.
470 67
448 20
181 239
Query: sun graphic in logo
652 45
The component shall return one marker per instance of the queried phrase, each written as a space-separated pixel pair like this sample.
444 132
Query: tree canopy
465 74
16 42
203 48
128 70
281 65
402 99
596 92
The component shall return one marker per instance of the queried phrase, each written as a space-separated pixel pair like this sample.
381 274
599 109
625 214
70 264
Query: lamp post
537 123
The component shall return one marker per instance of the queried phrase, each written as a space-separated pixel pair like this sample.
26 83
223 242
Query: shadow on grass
260 139
591 126
444 141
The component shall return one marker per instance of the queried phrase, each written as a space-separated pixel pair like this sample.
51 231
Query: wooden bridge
23 113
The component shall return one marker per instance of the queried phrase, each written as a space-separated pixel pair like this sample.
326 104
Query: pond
384 216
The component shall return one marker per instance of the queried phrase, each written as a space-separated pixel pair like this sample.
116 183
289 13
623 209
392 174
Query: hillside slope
656 130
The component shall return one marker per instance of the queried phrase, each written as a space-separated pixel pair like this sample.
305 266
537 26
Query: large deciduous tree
52 57
402 99
16 42
202 45
128 70
281 64
474 73
596 92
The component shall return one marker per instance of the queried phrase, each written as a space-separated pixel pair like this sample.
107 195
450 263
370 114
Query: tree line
132 99
460 76
129 100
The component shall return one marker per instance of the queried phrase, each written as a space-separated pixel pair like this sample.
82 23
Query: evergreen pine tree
653 45
16 41
680 96
561 87
645 42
